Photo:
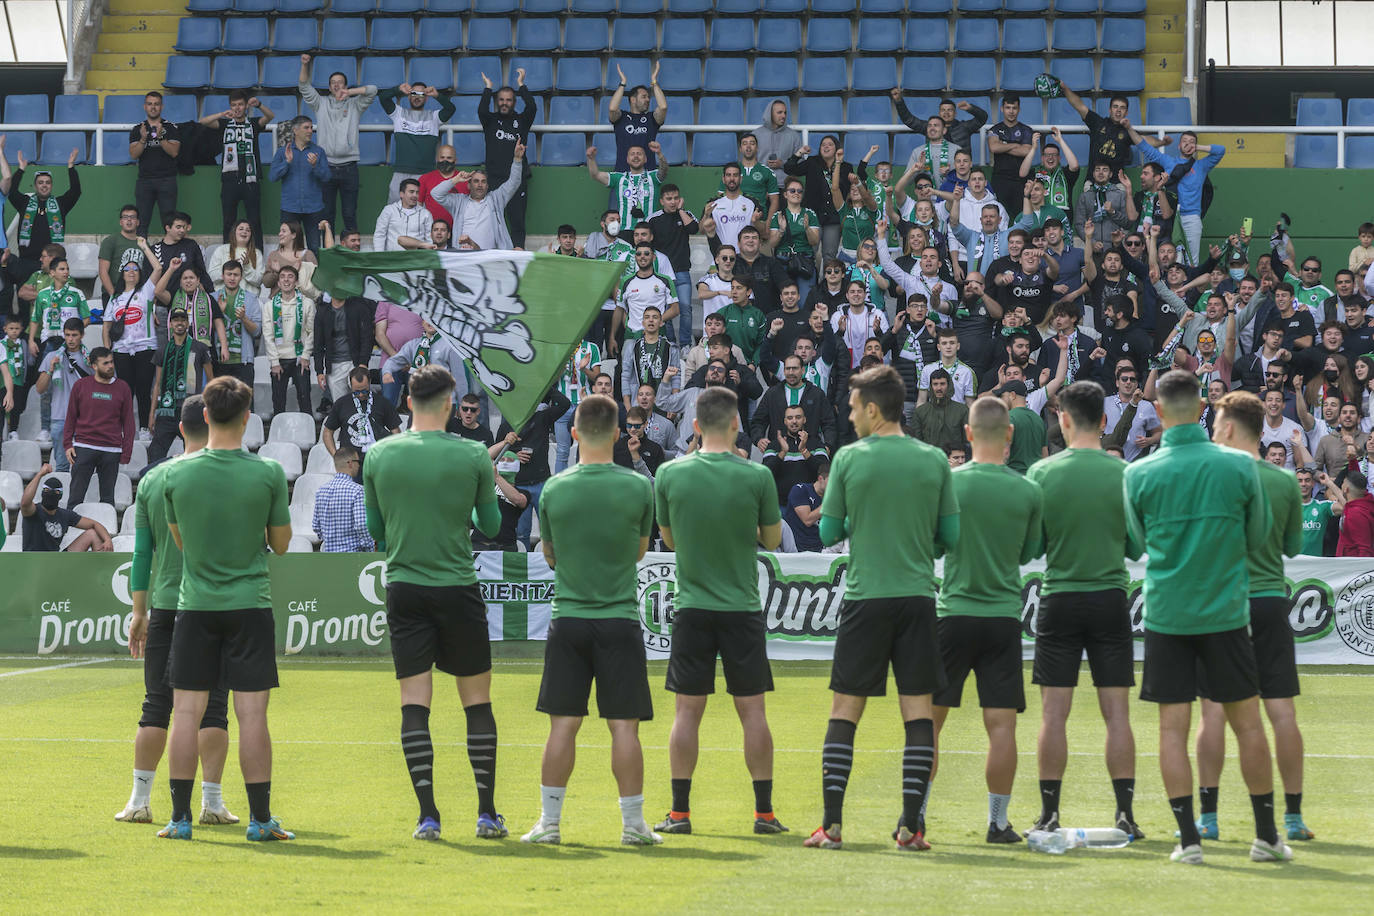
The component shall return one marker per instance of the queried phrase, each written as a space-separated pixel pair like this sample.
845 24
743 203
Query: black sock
918 756
1207 798
763 796
1049 797
181 798
418 750
1187 827
682 795
837 759
482 755
1263 806
1124 790
259 800
1292 803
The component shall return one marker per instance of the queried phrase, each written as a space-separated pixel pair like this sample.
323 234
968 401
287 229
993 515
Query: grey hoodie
336 122
777 141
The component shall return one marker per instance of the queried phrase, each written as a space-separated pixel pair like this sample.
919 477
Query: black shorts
1173 663
157 693
236 650
990 647
611 652
874 632
1071 623
1275 656
738 637
444 627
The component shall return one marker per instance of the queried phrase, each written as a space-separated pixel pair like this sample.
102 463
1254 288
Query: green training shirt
1316 515
150 511
1265 565
891 491
1084 521
594 516
425 486
714 503
999 517
1028 439
222 502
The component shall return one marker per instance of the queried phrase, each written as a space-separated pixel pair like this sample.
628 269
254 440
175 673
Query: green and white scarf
1147 210
298 308
54 214
198 309
421 357
14 358
1164 359
176 371
938 164
911 349
233 325
1056 187
1072 374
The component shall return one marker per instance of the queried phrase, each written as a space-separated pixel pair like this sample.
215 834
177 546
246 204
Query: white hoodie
395 221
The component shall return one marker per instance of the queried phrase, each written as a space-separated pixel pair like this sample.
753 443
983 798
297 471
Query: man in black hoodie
531 446
504 128
1122 338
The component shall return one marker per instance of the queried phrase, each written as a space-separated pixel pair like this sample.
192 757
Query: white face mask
613 228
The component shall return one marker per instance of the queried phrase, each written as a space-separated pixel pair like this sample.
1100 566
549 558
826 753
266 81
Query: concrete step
132 43
143 63
162 23
165 7
121 81
1158 22
1250 151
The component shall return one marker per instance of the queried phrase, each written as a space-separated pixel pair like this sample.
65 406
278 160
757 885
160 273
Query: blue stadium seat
1076 73
975 36
435 71
254 7
196 35
720 111
186 72
930 7
33 109
176 107
292 36
784 7
634 36
391 34
76 109
1076 7
495 7
726 74
26 142
736 7
1126 36
879 36
679 74
689 7
57 145
471 147
284 107
375 114
824 74
856 143
571 110
1074 35
1119 7
401 7
979 6
832 7
281 71
636 69
1169 111
713 149
445 7
684 36
926 36
586 36
372 148
352 7
1315 112
627 7
924 74
1123 74
756 108
827 36
674 143
1359 112
298 7
1025 6
904 145
234 71
1032 106
1018 75
780 36
1078 144
775 74
213 103
594 7
1359 152
116 148
342 35
440 34
731 36
824 110
119 109
874 74
538 71
326 64
245 36
563 149
1024 36
973 74
537 34
465 109
543 7
882 7
575 74
868 110
383 72
1060 112
209 6
489 35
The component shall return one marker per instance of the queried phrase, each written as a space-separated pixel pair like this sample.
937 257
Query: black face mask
51 499
1331 374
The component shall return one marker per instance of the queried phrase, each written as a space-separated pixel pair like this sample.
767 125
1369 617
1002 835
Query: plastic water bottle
1060 841
1051 841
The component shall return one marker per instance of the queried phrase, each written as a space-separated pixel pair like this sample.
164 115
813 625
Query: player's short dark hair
715 406
14 318
470 398
1066 310
735 165
193 418
52 265
565 229
1245 410
359 374
716 316
942 332
743 281
73 324
227 399
238 95
749 230
882 387
100 353
289 269
1021 234
596 378
1177 391
1083 402
127 207
637 414
430 384
53 250
1357 480
1119 304
231 265
597 417
339 73
174 216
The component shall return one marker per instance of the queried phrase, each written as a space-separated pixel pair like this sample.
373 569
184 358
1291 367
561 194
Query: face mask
1237 273
51 499
613 227
1331 374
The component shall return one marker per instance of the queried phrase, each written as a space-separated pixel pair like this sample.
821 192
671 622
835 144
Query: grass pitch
339 782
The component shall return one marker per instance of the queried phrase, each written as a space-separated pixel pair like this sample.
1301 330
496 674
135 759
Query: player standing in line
224 634
1198 509
594 522
979 608
1238 425
420 488
1083 602
718 611
157 562
894 523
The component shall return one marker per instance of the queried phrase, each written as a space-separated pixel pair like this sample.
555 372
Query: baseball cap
177 313
1015 386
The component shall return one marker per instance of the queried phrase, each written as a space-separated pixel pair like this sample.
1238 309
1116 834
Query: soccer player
157 563
979 608
1198 509
595 524
894 523
1239 417
1083 602
224 634
713 508
419 488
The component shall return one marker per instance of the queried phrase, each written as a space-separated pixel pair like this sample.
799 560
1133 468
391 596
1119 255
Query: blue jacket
1190 187
302 183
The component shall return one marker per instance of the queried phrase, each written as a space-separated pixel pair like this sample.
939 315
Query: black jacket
503 132
673 238
1131 342
534 435
820 416
40 234
812 170
766 274
956 132
358 313
895 341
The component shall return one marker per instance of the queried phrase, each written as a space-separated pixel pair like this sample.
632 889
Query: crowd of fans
1012 281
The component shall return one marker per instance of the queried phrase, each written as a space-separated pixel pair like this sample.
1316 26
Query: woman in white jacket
240 249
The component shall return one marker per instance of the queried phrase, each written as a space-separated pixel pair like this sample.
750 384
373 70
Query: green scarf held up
422 351
199 310
53 213
233 325
295 321
175 381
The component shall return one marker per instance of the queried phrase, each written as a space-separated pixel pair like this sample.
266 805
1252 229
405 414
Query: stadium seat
447 7
720 111
138 461
440 34
319 460
633 36
324 65
1123 74
115 146
1018 75
856 144
904 145
828 36
1359 152
495 7
465 108
868 110
372 148
22 457
690 7
209 6
637 71
543 7
882 7
298 7
254 7
375 114
973 74
727 74
1076 7
471 148
295 428
874 74
930 7
731 36
196 35
1025 6
975 36
1126 36
383 72
99 512
924 74
1024 36
185 72
1120 7
245 36
563 149
57 145
391 35
585 36
303 524
11 490
1076 73
605 150
575 74
76 109
1169 111
879 36
780 36
684 36
352 7
538 71
1074 35
266 150
755 109
489 35
736 7
300 544
235 71
342 35
26 141
824 110
713 149
307 485
1359 112
119 109
824 74
33 109
432 71
926 36
253 436
285 454
1319 112
294 36
537 35
627 7
280 71
401 7
1061 113
777 74
784 7
679 74
979 6
832 7
471 68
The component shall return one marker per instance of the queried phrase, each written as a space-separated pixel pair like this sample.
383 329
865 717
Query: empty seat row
682 7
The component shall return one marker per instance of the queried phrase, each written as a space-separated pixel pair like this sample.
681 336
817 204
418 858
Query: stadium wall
334 604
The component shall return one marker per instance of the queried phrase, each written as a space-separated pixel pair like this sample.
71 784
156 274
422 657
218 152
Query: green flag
516 316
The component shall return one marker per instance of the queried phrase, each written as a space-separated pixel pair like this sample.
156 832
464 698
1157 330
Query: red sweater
102 415
1357 529
428 181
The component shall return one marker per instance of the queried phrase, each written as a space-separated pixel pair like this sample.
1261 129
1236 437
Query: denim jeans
522 527
683 281
343 183
59 457
562 434
1192 236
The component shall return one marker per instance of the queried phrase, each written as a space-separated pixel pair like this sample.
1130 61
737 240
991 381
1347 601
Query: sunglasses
794 190
726 259
634 425
468 409
834 270
1134 244
1310 269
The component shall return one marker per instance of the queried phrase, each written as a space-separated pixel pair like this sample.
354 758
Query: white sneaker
220 815
44 437
543 833
13 436
1188 855
639 835
135 814
1261 851
145 435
